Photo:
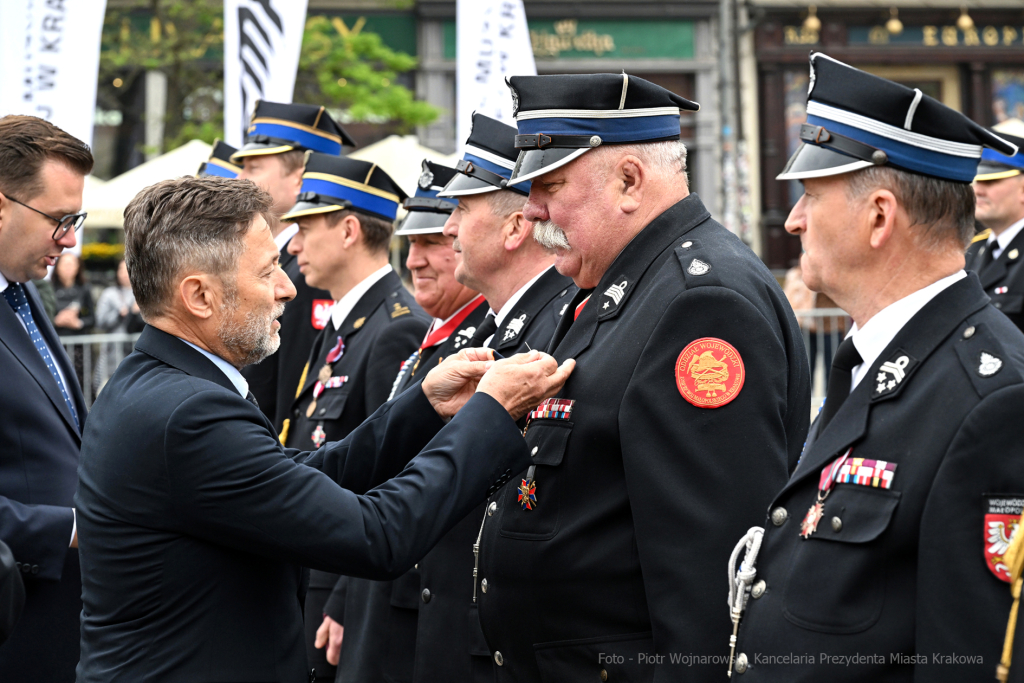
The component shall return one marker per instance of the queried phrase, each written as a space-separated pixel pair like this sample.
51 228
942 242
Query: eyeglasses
72 221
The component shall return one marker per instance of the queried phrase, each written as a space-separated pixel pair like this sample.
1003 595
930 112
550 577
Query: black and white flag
262 41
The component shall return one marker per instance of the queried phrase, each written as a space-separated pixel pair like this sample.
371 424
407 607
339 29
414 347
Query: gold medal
311 408
325 374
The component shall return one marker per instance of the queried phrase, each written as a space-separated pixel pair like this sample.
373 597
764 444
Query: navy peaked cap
427 212
487 162
276 127
219 163
333 183
996 166
856 120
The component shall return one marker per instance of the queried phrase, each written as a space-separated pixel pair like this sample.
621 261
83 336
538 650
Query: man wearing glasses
42 410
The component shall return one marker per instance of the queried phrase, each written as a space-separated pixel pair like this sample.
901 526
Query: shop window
1007 94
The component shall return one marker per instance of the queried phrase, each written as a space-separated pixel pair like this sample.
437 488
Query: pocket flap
547 440
1008 303
863 513
405 590
330 404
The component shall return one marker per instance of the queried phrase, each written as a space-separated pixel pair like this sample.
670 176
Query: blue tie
15 295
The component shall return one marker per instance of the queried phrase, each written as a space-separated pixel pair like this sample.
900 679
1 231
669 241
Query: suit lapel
17 341
174 352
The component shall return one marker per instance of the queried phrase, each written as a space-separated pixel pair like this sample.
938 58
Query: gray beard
550 236
251 340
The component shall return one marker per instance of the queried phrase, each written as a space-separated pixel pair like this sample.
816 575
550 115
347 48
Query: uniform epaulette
983 235
698 270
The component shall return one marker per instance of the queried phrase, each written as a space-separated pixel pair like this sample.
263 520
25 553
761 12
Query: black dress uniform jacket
273 381
1002 278
194 521
901 578
39 445
380 332
640 494
424 627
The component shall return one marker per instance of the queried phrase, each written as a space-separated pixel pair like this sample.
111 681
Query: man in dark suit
995 253
882 558
374 633
690 400
195 521
12 592
272 157
42 410
346 216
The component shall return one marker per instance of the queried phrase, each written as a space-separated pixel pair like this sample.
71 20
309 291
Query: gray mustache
550 236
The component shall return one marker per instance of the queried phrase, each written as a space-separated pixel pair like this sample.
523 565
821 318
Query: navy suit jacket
194 521
39 446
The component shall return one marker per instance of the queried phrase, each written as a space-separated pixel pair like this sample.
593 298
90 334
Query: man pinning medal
276 143
995 253
345 215
689 401
883 556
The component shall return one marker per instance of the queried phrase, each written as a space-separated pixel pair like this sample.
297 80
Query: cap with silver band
219 164
562 117
856 120
333 183
276 128
426 212
488 160
996 166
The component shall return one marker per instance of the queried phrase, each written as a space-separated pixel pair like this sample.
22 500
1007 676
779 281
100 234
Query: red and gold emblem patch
709 373
1001 521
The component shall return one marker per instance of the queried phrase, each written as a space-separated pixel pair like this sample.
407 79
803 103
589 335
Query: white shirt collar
227 368
438 323
1004 238
286 234
344 305
500 316
882 328
3 283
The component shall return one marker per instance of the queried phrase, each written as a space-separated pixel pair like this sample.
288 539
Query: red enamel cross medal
825 483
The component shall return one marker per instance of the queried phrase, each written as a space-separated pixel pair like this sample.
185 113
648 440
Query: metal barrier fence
96 356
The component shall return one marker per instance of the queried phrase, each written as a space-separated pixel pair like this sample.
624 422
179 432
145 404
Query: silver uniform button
534 451
491 509
837 524
687 244
779 516
969 332
498 659
483 585
425 595
757 590
741 663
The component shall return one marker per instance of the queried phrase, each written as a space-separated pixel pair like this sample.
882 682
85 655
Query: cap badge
988 364
709 373
1002 515
698 267
426 179
515 101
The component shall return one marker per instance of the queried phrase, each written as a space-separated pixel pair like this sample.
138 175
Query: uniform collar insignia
613 297
462 337
891 374
513 327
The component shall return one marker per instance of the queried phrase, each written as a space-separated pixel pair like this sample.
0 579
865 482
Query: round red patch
709 373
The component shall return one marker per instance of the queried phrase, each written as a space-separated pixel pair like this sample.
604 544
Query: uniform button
35 569
741 663
323 411
416 566
757 590
425 595
999 304
534 451
498 659
687 244
837 524
483 585
779 516
604 674
491 509
969 332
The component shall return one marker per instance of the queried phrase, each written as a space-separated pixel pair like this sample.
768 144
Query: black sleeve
12 593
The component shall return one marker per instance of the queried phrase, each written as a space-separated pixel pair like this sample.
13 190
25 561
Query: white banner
49 60
493 42
262 41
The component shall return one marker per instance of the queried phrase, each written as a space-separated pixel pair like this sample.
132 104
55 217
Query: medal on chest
319 436
825 484
550 409
324 375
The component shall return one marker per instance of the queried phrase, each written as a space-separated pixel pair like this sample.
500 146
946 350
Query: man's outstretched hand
521 382
454 380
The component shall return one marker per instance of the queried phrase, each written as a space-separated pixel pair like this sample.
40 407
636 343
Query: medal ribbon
332 383
829 474
334 354
440 334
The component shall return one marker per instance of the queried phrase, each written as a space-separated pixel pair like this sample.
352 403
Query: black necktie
252 399
487 328
988 257
839 380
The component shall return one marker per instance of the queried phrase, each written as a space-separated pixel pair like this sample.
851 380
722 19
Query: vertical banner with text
49 61
262 41
493 42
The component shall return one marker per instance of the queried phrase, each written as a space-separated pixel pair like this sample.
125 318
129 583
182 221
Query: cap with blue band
427 213
562 117
857 120
333 183
276 128
487 162
219 164
996 166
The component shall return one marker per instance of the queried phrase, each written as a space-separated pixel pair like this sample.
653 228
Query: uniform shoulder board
698 267
983 235
984 358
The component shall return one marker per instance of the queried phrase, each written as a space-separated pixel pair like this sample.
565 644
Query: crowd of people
535 465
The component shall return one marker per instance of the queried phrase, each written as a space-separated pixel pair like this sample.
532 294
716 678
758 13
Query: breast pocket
1008 303
836 583
547 440
330 404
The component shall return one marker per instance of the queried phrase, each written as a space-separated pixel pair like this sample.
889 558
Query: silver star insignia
881 377
891 383
881 387
605 305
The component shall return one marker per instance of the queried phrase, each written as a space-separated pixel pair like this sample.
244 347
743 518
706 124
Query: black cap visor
536 162
463 184
268 146
993 170
812 161
422 223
